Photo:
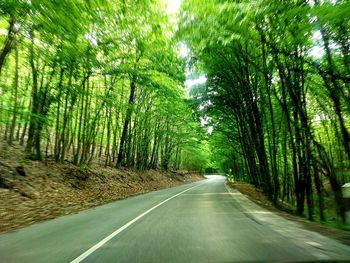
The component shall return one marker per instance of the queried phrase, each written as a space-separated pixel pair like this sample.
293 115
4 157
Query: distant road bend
198 222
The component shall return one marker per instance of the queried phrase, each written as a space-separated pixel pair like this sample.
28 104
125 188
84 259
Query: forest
89 80
277 95
102 81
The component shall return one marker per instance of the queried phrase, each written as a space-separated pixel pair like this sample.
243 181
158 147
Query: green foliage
78 63
278 113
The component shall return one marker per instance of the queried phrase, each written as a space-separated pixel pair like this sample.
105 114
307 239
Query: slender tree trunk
33 124
126 124
9 42
15 106
57 132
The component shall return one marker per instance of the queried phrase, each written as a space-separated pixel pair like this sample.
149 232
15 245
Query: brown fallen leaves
50 190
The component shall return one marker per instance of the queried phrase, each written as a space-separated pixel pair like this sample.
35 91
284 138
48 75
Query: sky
317 50
191 82
173 6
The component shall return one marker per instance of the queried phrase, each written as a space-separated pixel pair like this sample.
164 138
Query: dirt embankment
32 191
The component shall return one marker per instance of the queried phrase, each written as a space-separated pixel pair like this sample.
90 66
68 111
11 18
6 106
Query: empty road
198 222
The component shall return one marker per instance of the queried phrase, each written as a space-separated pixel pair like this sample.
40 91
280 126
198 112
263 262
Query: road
198 222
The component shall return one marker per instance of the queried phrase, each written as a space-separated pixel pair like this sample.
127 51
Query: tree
101 85
261 87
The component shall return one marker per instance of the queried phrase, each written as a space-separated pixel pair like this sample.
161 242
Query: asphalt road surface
198 222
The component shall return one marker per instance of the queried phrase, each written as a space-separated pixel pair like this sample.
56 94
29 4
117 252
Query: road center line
119 230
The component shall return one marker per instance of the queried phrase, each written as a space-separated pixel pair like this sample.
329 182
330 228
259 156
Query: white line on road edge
119 230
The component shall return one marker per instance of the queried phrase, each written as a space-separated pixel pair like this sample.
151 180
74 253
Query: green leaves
16 8
267 95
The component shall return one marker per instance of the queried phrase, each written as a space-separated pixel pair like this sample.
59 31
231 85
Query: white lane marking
213 194
119 230
259 212
314 244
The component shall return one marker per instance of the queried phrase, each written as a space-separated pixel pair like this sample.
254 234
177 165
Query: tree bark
126 124
9 42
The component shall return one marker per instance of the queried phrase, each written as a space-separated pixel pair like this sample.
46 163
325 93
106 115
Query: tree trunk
33 123
15 106
9 42
126 124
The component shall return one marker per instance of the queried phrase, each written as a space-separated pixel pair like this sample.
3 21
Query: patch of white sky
172 6
184 51
198 81
317 50
91 38
3 31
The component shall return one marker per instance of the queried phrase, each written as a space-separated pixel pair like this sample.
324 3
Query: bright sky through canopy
173 6
317 50
198 81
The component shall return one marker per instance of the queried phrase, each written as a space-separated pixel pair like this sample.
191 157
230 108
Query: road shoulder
324 243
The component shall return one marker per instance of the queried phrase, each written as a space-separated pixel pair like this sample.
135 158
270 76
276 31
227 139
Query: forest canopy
95 80
277 94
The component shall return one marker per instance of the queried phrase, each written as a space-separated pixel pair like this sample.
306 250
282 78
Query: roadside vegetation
277 96
40 191
87 80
